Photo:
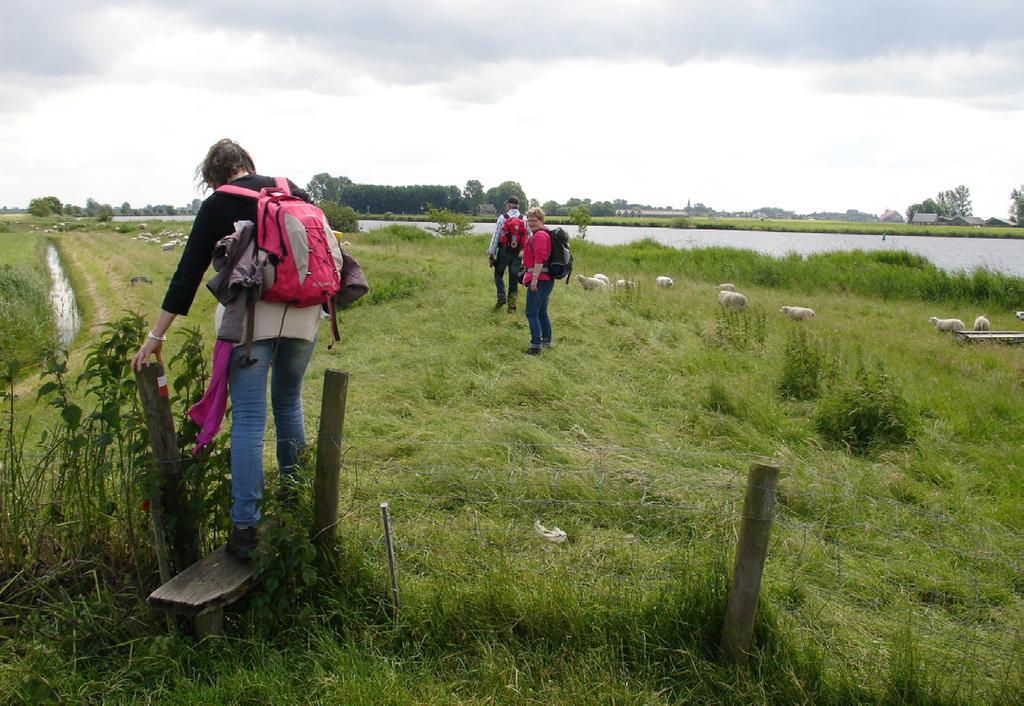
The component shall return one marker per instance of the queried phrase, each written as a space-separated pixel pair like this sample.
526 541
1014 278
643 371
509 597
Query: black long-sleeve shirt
216 218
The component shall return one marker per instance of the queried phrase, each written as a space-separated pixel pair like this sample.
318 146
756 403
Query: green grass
26 323
892 577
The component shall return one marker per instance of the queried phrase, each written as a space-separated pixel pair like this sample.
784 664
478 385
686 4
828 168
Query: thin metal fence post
385 517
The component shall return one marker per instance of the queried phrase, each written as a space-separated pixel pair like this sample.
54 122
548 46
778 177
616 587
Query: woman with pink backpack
281 339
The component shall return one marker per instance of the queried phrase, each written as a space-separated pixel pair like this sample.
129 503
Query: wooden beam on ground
203 590
1010 337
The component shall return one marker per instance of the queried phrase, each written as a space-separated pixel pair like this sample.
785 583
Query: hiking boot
242 542
545 344
511 304
500 305
533 351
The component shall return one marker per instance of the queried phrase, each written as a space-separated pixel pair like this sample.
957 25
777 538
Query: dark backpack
513 233
559 262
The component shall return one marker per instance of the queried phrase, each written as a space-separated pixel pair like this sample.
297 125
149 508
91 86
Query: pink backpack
294 235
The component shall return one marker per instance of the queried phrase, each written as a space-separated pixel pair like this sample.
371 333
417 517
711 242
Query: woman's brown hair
224 158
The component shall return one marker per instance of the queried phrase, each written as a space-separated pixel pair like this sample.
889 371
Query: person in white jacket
505 253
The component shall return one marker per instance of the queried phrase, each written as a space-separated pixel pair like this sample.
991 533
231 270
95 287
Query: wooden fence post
328 460
748 568
170 498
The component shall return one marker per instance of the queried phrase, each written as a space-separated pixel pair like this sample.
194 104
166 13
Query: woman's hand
149 347
533 284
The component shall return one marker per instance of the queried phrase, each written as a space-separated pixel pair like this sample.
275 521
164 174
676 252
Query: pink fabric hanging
209 411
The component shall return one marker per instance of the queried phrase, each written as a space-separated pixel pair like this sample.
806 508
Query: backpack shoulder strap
237 191
282 184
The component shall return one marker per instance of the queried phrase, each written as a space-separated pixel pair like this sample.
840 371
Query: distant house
976 221
998 223
486 209
926 219
890 216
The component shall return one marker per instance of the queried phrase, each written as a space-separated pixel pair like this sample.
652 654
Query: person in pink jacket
538 282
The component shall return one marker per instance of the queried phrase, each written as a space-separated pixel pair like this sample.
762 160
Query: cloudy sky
810 105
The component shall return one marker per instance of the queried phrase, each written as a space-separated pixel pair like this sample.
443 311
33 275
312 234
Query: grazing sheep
727 287
625 284
142 226
798 313
1020 315
981 323
946 324
603 278
732 300
168 246
591 283
664 281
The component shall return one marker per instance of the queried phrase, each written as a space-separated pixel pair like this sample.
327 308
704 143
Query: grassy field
25 321
894 574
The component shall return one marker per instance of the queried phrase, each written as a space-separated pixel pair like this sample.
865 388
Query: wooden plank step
995 336
216 580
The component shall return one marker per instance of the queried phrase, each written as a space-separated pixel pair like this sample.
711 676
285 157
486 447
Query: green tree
580 215
449 223
497 196
104 212
126 209
551 208
341 218
324 187
45 206
955 202
39 208
472 196
1017 206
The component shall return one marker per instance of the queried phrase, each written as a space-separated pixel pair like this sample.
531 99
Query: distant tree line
419 198
52 206
951 203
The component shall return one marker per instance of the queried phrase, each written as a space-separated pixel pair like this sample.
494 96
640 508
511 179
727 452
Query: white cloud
809 106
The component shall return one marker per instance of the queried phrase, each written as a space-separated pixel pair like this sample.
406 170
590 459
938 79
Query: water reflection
62 300
950 254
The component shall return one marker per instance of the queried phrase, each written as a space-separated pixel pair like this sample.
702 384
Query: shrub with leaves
802 364
739 330
449 223
865 413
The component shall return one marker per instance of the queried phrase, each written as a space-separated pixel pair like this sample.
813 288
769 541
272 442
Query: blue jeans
537 312
506 258
248 388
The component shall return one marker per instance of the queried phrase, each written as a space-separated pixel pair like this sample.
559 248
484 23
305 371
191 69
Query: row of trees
378 198
951 203
52 206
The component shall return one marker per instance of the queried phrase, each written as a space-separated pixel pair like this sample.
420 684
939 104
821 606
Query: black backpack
559 262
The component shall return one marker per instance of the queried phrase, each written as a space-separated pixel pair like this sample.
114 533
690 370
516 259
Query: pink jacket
537 249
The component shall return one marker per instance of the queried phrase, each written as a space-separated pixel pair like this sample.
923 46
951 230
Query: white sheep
603 278
982 324
168 246
946 324
798 313
625 284
591 283
664 281
1020 315
727 287
732 300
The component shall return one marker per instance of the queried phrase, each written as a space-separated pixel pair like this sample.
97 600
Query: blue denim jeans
537 312
506 258
248 388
